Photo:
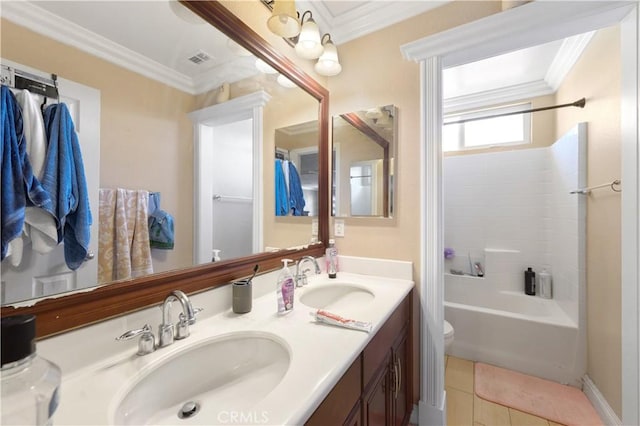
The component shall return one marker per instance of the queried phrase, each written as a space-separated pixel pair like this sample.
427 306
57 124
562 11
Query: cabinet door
400 376
377 406
355 417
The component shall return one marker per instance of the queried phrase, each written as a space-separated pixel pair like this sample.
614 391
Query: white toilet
448 336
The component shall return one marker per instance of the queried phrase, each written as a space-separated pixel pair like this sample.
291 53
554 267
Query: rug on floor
543 398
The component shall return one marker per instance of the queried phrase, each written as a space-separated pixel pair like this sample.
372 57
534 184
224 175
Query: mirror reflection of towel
282 199
123 247
296 196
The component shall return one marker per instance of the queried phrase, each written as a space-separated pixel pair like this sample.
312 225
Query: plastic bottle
331 259
29 383
544 284
285 287
530 282
215 257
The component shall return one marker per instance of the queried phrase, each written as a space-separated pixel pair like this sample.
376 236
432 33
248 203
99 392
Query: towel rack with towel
19 79
613 185
282 154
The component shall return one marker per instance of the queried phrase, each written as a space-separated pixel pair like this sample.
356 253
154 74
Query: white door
41 275
232 188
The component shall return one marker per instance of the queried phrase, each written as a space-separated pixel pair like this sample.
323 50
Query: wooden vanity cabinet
375 390
386 372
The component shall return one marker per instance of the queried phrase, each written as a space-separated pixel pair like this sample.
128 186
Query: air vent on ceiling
200 57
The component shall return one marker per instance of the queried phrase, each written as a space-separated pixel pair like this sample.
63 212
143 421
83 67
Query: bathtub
512 330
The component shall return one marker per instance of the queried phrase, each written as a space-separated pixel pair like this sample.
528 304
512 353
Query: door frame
245 107
524 26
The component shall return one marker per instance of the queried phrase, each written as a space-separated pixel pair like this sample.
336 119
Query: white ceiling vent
200 57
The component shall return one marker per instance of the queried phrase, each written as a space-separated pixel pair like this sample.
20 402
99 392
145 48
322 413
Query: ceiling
157 40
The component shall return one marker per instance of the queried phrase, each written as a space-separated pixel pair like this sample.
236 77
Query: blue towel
282 200
19 186
63 177
296 196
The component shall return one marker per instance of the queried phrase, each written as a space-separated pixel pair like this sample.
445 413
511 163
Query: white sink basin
338 296
219 376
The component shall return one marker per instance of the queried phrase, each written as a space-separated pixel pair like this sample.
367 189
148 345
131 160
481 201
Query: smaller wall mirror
363 166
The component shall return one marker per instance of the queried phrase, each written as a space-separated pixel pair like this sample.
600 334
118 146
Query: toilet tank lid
448 328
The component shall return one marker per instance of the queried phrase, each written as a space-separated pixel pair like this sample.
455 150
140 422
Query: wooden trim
57 315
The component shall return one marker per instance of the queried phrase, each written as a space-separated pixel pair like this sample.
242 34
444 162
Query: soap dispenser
285 287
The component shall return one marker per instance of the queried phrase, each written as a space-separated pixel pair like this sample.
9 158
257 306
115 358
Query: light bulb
284 19
264 67
309 45
328 62
285 82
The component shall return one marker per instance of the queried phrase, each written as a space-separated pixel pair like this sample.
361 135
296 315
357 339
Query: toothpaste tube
333 319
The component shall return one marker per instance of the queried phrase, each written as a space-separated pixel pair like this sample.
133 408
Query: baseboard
606 413
433 416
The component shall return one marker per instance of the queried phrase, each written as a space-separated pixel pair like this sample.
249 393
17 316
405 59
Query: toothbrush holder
242 296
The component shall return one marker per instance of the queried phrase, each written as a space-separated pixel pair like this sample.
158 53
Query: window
485 133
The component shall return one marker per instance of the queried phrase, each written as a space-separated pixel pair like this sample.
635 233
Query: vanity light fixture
284 19
285 82
306 38
328 63
309 45
264 67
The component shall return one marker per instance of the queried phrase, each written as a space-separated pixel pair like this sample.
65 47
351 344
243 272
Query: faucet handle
147 342
196 311
182 327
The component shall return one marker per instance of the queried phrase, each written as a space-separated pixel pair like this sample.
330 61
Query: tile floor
464 408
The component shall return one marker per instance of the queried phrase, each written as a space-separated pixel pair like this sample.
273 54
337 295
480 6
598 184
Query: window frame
488 112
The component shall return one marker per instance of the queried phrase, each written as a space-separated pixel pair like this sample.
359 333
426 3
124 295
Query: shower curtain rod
579 103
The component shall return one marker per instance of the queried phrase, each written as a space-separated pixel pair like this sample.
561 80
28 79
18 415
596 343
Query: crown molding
232 110
46 23
502 95
515 29
365 19
300 129
567 56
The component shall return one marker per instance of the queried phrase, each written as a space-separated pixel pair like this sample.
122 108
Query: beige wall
140 118
597 78
375 73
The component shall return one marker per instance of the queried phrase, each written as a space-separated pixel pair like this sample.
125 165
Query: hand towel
296 196
19 186
40 225
64 179
282 199
123 246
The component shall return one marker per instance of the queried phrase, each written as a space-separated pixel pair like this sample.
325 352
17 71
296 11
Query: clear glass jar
30 384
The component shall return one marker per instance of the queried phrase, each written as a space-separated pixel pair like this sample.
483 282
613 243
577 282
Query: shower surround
512 210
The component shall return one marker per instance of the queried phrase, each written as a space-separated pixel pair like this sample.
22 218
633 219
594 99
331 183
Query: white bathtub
512 330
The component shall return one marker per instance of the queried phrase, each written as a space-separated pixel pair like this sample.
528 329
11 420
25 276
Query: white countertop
319 356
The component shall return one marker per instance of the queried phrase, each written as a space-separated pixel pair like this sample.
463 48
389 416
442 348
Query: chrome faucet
167 331
301 274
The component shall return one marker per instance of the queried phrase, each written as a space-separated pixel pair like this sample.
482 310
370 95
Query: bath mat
543 398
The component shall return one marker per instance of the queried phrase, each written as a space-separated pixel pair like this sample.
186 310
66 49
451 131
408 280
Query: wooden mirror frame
64 313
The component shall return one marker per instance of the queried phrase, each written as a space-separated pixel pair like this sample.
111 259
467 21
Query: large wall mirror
147 141
363 166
